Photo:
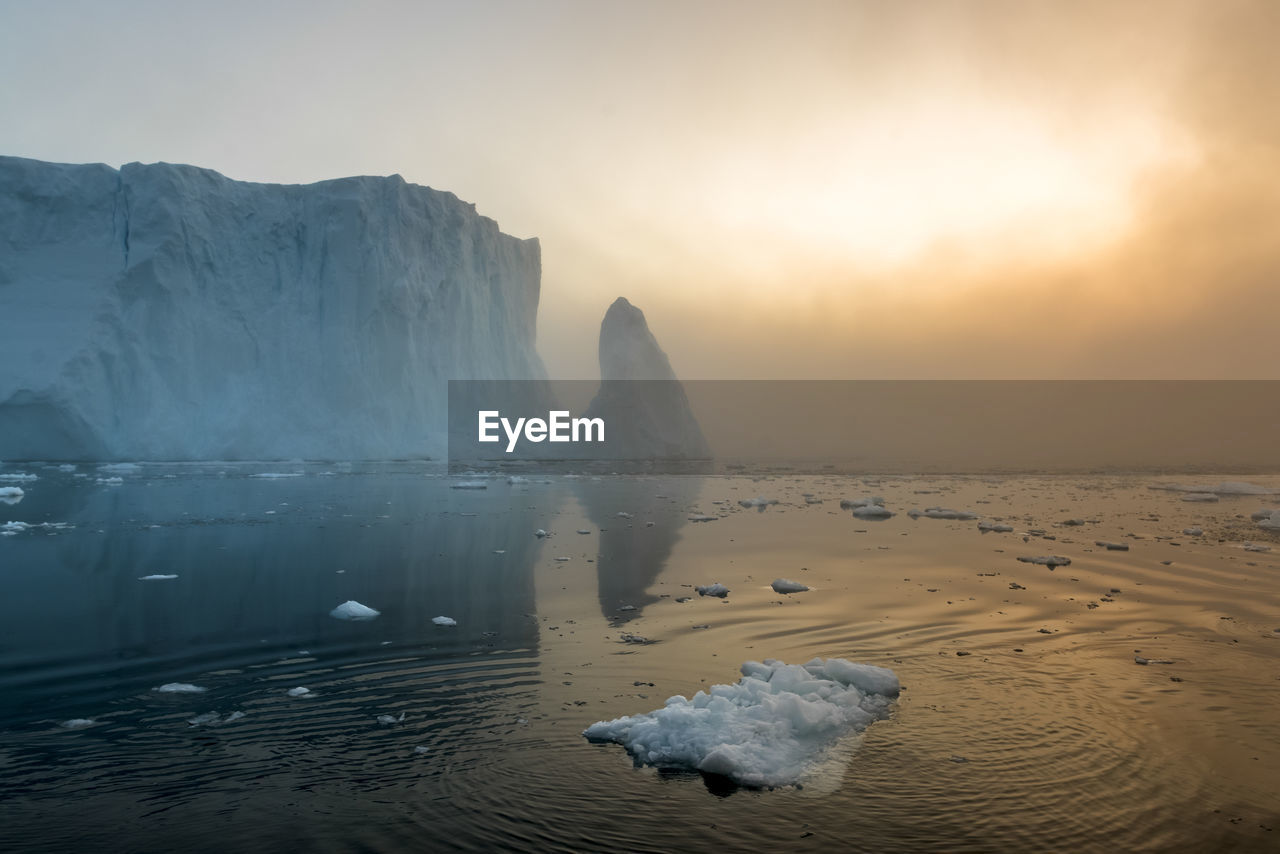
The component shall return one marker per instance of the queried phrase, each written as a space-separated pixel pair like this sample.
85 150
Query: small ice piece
759 501
470 484
1137 659
627 608
1112 547
234 716
110 481
515 478
717 589
11 494
156 577
420 750
702 517
622 514
562 559
1193 532
19 476
870 508
179 688
205 719
1202 497
540 533
353 610
120 467
276 475
783 585
68 467
1256 547
77 723
583 531
298 692
388 720
942 513
772 728
994 528
1047 560
444 621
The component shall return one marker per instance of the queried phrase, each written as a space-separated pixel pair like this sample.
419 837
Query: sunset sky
809 190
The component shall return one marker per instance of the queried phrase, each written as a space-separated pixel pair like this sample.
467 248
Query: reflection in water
640 523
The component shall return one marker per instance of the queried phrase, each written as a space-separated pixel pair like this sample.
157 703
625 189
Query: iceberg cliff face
168 312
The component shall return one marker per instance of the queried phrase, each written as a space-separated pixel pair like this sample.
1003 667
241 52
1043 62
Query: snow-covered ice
783 585
353 610
772 728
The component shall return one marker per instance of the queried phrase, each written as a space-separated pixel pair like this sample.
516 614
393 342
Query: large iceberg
167 312
772 728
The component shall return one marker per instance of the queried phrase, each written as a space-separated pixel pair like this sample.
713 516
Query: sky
862 190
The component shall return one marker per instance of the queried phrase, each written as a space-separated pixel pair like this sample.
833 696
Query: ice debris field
771 728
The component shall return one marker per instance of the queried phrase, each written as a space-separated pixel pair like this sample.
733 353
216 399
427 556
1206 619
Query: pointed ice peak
628 350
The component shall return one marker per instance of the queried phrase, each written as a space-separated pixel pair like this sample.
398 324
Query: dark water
1035 740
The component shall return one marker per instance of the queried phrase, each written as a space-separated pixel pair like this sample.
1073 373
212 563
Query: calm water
1047 735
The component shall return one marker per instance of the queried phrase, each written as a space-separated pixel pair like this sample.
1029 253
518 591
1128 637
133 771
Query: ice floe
1267 518
1047 560
19 476
156 577
11 494
77 723
469 484
353 610
759 501
1193 532
444 621
1112 547
772 728
942 513
179 688
300 691
783 585
717 589
867 508
276 475
1227 487
388 720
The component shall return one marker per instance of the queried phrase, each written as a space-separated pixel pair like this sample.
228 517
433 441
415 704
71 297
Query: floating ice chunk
11 494
67 467
562 559
19 476
234 716
470 484
180 688
622 514
717 589
702 517
298 692
420 750
1112 547
759 501
870 501
1048 560
444 621
120 467
540 533
388 720
783 585
515 478
156 577
276 475
1193 532
1269 519
77 723
1201 497
994 528
583 531
353 610
205 719
942 513
772 728
110 481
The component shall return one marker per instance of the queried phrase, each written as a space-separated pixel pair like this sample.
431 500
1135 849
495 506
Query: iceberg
162 311
640 397
772 728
